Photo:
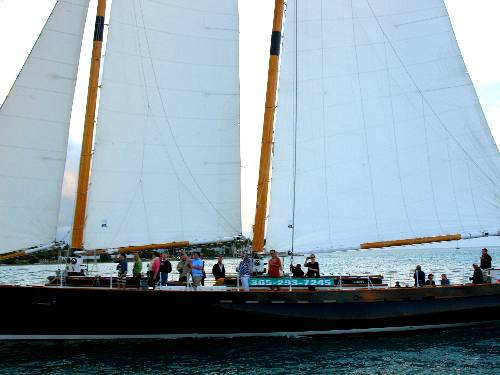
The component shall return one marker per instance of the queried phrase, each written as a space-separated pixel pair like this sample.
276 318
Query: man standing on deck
183 267
477 278
218 270
196 269
137 270
485 259
419 277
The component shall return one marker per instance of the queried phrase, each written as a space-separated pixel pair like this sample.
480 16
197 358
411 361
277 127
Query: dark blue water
459 351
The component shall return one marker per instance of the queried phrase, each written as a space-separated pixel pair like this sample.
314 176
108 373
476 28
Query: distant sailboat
377 120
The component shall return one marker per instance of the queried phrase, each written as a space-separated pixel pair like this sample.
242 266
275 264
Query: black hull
52 312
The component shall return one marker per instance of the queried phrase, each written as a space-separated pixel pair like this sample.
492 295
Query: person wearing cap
485 259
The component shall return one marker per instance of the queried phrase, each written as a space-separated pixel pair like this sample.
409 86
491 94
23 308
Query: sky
475 22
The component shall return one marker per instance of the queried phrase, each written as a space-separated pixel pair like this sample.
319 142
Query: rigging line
295 121
420 91
365 130
325 168
396 145
454 190
147 111
429 167
139 185
174 140
473 198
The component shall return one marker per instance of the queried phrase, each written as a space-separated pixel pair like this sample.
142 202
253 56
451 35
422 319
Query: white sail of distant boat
379 132
34 125
166 163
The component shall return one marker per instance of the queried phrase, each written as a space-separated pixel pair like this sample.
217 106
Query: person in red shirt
274 265
154 271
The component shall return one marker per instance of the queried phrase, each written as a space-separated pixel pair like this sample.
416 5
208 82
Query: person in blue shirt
444 280
196 268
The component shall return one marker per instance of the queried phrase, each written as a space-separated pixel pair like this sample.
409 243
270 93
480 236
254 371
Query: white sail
166 164
34 125
379 132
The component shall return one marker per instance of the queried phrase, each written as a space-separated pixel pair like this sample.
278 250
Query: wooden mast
88 130
267 131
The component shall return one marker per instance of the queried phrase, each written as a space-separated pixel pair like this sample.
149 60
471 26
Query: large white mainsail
166 164
379 132
34 125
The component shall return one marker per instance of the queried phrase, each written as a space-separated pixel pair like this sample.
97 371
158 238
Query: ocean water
394 264
474 350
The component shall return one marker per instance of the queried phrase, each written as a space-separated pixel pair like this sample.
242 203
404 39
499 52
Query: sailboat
376 123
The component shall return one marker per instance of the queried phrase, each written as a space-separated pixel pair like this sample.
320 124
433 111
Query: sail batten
166 165
34 126
390 139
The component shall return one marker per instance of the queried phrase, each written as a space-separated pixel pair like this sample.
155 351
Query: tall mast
88 130
267 131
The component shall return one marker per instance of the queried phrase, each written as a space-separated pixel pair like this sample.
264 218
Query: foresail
166 164
34 125
379 133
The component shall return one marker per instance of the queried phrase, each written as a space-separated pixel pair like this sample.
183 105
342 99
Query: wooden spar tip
16 254
410 241
132 249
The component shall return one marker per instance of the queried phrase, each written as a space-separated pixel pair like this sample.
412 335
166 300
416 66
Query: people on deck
154 271
485 259
244 269
218 270
137 271
430 280
312 268
122 271
296 270
477 277
419 276
196 268
165 269
274 265
444 280
184 267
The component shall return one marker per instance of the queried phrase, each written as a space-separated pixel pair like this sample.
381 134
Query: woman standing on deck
274 265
